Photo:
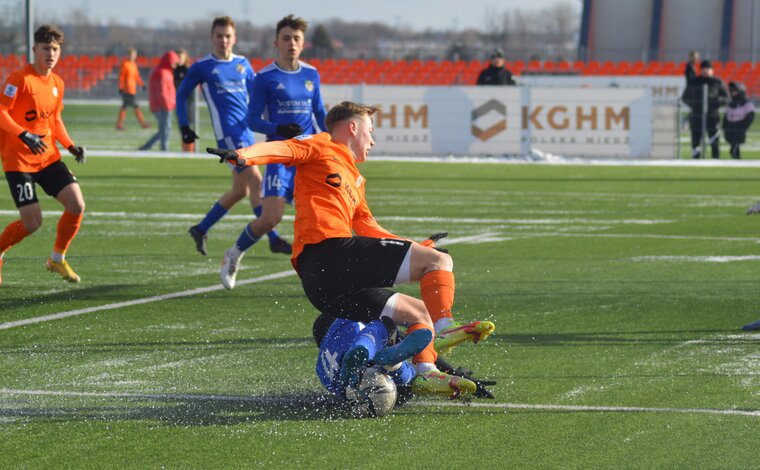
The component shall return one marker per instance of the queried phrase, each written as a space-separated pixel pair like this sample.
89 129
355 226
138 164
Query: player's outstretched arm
226 155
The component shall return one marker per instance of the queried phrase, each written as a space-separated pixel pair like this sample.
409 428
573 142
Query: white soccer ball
374 395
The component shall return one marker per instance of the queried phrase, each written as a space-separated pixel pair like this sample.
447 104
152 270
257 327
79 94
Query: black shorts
52 179
347 277
128 100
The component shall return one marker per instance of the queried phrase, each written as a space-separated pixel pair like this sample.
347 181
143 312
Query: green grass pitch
618 294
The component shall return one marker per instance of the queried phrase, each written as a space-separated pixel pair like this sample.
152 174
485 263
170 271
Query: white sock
57 257
443 323
423 367
234 251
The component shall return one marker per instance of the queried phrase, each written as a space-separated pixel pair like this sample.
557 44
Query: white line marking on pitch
146 300
504 406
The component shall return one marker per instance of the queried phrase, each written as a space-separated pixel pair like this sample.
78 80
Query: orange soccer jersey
34 103
329 190
129 77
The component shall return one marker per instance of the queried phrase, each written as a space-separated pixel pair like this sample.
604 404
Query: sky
417 14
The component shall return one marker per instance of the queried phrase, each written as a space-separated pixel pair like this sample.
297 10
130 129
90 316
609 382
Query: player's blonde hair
348 110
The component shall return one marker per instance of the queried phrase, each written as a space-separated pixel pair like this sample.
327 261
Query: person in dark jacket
739 116
496 73
690 72
717 96
179 74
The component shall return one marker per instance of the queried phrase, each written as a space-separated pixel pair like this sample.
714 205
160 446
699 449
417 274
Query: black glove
144 88
226 155
432 239
78 152
289 130
188 135
34 142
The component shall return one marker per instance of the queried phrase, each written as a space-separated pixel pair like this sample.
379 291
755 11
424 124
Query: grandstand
85 74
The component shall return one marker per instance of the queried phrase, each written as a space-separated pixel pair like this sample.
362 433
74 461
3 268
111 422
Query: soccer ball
374 394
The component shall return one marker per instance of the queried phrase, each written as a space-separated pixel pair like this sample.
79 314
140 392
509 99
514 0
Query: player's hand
145 88
188 135
289 130
432 239
226 155
754 209
78 152
34 142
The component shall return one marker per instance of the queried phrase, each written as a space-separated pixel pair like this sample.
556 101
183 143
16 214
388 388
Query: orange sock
68 226
437 290
428 354
14 232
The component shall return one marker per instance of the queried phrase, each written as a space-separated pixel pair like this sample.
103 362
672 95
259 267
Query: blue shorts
278 181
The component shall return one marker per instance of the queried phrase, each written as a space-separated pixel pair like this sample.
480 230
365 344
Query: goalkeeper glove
78 152
188 135
34 142
226 155
430 241
289 130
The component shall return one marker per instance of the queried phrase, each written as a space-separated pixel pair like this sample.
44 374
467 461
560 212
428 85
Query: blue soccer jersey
339 339
227 86
285 97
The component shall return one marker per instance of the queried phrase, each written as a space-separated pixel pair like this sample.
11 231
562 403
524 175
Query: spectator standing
129 80
162 100
690 71
739 116
180 71
496 73
717 96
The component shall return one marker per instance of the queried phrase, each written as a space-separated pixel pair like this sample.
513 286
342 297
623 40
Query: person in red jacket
162 99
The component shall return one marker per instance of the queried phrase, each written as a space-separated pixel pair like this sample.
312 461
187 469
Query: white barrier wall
473 120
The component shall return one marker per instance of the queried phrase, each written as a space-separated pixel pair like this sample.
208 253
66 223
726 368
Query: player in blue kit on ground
286 102
347 346
227 83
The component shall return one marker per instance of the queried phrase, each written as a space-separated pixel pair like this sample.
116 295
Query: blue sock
272 234
213 216
246 239
372 337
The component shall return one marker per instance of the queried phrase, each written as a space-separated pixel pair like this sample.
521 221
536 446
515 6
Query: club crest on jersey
55 91
240 68
10 90
309 85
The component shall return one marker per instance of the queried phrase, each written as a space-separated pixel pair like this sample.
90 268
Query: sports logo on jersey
280 86
240 68
10 90
309 85
359 181
303 137
214 71
55 91
334 180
